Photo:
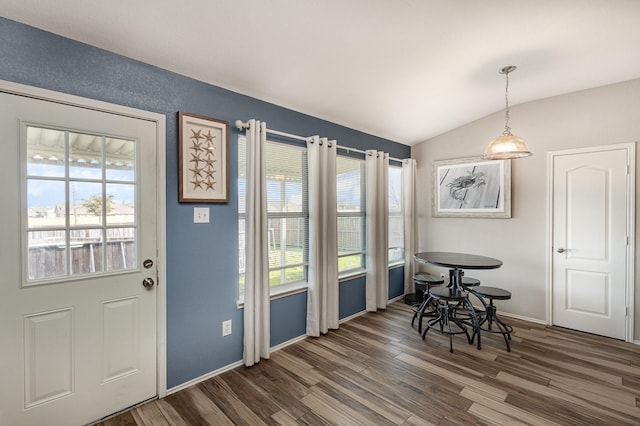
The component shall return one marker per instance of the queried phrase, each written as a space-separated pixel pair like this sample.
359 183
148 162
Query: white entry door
78 237
591 220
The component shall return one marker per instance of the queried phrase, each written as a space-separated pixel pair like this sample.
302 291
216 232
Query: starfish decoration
197 183
209 172
196 146
195 158
196 135
210 182
197 171
209 138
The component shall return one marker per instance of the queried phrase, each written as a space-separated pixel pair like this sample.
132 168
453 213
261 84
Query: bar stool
449 303
423 282
470 282
490 314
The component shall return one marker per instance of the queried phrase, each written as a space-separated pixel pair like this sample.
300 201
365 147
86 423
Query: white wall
600 116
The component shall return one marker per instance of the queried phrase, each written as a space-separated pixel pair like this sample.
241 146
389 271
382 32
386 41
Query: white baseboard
239 363
203 377
521 317
349 318
288 342
537 321
228 367
395 299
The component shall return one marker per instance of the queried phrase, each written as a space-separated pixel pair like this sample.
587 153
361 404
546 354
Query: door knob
148 282
561 250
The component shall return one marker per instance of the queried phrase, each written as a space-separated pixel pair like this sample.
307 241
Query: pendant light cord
507 129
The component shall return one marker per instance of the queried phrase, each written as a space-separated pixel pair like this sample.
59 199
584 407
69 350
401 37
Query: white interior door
591 193
77 222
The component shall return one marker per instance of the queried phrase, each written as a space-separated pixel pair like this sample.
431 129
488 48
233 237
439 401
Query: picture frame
472 187
203 159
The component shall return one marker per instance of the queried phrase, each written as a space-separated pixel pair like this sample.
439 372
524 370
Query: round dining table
457 263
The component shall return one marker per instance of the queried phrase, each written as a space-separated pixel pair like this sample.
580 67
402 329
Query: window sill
302 287
352 275
281 292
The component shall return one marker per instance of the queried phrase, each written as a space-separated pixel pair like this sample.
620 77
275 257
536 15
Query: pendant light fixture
507 145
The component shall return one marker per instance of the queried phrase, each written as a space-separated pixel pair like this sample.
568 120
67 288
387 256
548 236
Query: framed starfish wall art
472 187
203 159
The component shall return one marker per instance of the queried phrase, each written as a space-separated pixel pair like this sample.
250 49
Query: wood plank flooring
376 370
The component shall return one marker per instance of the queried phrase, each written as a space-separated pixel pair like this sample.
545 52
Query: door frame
630 149
160 122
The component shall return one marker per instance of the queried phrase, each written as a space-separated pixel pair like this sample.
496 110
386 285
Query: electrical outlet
226 327
201 215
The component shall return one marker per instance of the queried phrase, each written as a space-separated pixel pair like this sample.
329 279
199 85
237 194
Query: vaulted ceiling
405 70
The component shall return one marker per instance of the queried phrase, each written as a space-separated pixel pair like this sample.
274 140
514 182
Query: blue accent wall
352 297
202 272
396 282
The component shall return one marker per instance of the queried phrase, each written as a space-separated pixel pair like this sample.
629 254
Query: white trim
288 343
524 318
288 291
203 377
542 322
630 255
229 367
160 121
395 299
349 318
161 288
357 314
241 363
352 275
301 288
549 240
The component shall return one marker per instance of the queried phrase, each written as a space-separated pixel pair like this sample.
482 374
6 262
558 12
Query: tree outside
93 204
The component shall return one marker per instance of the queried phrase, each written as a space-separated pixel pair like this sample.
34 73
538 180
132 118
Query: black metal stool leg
475 323
447 319
427 302
430 323
489 319
503 328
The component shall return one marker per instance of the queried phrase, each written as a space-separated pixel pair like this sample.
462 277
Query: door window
79 201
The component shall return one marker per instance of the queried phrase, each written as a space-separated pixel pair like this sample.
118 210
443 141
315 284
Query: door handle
148 283
562 250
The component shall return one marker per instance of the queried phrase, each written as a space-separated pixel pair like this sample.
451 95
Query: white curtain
322 296
377 252
410 222
256 293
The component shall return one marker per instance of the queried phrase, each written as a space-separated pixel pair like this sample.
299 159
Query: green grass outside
294 274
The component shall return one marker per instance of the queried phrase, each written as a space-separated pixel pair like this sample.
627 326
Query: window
396 221
80 204
287 214
351 214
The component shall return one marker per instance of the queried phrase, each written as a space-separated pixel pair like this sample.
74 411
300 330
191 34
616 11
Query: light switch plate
201 215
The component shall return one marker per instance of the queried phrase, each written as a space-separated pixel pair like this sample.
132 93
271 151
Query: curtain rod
242 126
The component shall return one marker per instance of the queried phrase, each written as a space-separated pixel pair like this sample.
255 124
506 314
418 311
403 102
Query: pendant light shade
507 145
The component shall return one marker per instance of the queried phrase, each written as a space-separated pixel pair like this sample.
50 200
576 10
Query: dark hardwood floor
376 370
